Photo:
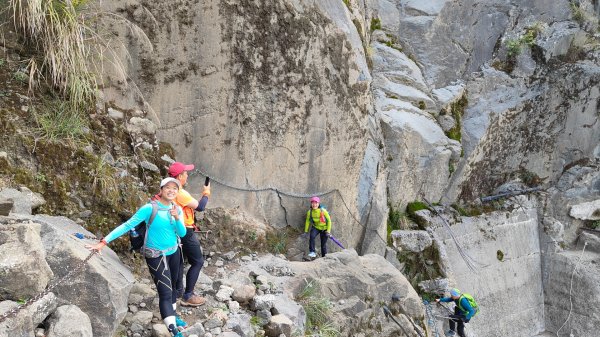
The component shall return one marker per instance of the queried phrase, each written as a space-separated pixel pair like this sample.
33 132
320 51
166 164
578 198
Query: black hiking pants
458 321
311 241
193 253
164 271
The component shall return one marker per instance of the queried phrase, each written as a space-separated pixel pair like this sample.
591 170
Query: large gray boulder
23 269
24 200
69 320
28 318
103 277
419 156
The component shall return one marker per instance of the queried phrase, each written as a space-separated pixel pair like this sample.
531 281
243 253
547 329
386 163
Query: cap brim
188 167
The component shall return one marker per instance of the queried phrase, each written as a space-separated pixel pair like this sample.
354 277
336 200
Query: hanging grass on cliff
68 52
57 30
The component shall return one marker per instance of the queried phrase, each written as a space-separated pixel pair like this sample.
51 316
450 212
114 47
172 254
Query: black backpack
138 235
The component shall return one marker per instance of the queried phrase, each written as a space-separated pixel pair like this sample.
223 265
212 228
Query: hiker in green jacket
318 217
465 309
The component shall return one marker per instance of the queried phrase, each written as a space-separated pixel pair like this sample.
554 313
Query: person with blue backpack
164 229
465 308
319 223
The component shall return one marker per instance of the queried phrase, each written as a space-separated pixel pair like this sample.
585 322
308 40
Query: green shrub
375 24
577 12
500 255
59 121
411 210
317 310
396 220
457 109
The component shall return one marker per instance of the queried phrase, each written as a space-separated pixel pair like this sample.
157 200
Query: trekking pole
445 307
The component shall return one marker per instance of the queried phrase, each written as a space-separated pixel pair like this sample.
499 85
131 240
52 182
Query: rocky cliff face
259 95
386 101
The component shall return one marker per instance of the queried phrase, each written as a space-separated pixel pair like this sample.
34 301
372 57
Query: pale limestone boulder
69 320
419 156
224 293
279 324
24 271
27 319
586 211
137 125
243 293
24 200
557 39
104 276
412 241
160 330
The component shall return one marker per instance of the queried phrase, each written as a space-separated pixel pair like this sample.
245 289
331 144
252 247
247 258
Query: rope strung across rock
469 260
286 193
48 289
571 289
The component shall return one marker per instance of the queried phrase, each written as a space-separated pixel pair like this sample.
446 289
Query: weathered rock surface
283 91
24 271
69 320
27 319
110 279
502 248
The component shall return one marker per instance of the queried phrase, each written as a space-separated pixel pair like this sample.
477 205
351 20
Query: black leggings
193 253
457 320
165 277
311 242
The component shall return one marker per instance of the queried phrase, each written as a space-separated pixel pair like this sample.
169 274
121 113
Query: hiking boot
312 255
179 322
193 301
450 333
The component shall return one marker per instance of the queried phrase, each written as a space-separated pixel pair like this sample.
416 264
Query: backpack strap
150 220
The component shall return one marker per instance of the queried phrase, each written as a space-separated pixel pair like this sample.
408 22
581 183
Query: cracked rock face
255 93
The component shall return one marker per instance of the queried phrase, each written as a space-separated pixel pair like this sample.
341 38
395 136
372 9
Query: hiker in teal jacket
161 249
318 217
463 312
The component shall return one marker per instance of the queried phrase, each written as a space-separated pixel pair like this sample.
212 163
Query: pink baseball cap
178 168
315 199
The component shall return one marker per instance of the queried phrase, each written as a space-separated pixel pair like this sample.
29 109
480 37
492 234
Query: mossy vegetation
500 255
515 46
457 109
397 220
421 266
347 3
411 210
375 24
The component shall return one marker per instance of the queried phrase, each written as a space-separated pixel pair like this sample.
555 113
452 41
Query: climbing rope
469 260
288 194
431 318
571 289
48 289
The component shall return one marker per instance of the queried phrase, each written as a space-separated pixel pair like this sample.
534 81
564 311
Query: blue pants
311 242
193 253
164 271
